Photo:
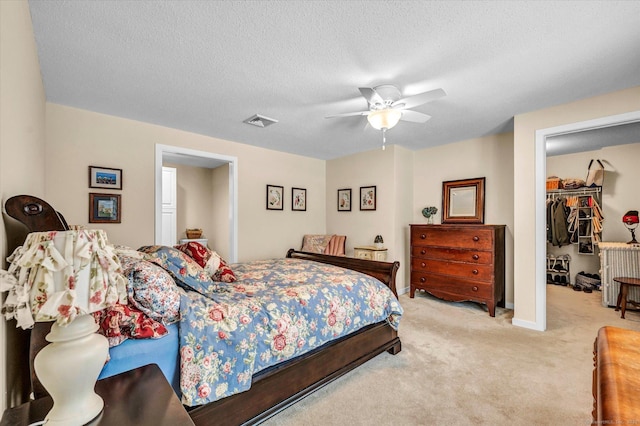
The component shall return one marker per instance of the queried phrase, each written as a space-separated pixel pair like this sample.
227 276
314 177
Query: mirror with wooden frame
463 201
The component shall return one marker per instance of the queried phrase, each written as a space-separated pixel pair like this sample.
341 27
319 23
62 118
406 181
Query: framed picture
367 198
275 195
104 177
344 200
463 201
299 199
104 208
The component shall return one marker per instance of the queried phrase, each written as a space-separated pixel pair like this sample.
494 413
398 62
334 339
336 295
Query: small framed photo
344 200
104 208
299 199
367 198
104 177
275 195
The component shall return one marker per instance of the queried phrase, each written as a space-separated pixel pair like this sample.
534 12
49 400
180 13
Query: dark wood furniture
137 397
278 387
616 377
625 282
459 262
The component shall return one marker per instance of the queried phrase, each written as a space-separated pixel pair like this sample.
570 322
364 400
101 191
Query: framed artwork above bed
275 195
344 200
299 199
105 177
104 208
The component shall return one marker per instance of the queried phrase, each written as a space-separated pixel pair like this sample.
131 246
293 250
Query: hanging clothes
560 232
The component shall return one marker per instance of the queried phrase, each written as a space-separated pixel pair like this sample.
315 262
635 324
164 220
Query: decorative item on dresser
459 262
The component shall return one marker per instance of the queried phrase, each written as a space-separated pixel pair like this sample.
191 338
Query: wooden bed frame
278 387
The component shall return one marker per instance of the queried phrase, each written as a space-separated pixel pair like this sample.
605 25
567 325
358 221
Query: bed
272 387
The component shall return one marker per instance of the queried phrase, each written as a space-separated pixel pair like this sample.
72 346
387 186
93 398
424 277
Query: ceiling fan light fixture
384 118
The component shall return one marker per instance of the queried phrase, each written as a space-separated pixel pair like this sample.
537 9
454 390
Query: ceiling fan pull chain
384 137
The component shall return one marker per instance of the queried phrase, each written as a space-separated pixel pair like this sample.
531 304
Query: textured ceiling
205 67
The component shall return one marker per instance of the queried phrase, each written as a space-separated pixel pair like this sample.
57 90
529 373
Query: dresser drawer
452 237
451 288
459 255
458 269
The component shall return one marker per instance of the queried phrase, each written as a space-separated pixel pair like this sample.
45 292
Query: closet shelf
577 191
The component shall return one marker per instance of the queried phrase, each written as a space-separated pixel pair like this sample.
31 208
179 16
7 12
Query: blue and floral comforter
278 309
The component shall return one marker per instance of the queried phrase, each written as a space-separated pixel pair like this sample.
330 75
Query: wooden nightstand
137 397
370 253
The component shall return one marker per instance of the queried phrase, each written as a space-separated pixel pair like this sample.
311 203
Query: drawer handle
474 288
476 238
423 236
423 279
423 264
475 272
476 257
423 251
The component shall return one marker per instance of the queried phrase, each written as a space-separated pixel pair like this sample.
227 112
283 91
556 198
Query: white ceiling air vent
260 121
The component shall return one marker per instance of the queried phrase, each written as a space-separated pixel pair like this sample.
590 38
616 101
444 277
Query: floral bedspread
276 310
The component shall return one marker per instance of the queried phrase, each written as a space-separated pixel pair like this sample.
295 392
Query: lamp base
633 236
68 369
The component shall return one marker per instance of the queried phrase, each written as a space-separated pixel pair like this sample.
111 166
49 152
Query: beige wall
490 157
100 140
22 160
525 230
619 194
371 168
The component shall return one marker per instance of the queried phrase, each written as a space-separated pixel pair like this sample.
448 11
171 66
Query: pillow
214 265
315 243
151 289
183 268
120 322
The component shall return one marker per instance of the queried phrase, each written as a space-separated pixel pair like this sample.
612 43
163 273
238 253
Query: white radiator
618 260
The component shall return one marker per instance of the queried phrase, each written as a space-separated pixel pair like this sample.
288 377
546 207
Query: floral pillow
315 243
151 289
121 322
184 269
213 264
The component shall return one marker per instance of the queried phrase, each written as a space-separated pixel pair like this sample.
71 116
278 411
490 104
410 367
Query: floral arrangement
429 211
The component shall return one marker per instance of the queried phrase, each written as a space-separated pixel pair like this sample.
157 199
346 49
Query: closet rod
577 191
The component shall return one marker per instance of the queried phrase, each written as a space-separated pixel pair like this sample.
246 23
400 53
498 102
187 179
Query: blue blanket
277 310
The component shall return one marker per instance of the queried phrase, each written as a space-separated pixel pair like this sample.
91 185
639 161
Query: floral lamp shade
58 275
64 276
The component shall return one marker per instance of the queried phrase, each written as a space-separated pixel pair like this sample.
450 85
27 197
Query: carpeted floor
458 366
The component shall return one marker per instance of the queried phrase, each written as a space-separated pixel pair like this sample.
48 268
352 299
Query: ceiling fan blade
414 116
348 114
419 99
371 95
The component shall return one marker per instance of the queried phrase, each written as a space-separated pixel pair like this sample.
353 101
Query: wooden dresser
459 262
616 377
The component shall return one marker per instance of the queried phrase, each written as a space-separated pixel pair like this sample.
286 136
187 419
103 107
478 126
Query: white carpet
459 366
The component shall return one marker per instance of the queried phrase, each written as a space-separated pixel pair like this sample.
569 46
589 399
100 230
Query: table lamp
630 220
64 276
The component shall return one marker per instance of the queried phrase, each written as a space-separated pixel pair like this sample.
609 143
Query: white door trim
203 159
541 196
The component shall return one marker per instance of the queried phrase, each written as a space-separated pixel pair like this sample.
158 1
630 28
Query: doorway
190 157
540 198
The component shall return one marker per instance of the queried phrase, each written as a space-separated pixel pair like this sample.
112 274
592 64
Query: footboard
384 271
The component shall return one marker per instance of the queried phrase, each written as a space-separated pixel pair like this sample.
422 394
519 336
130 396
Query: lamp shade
631 217
384 118
62 274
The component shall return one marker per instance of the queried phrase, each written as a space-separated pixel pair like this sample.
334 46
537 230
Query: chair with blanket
324 243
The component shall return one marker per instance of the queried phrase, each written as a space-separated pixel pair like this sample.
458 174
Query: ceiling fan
387 107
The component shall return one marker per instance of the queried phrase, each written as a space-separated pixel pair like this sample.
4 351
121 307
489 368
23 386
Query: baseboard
527 324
